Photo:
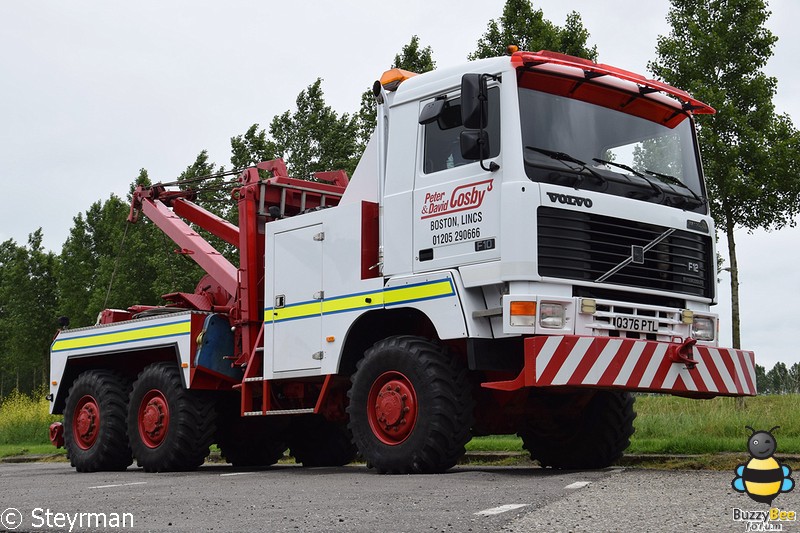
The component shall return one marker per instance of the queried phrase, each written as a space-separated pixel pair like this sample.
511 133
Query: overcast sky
94 91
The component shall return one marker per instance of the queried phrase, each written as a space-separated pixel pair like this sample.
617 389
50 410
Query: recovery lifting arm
154 202
255 196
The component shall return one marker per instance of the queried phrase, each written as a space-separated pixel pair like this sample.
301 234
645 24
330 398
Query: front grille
585 246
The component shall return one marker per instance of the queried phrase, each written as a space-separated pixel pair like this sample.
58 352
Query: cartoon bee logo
762 477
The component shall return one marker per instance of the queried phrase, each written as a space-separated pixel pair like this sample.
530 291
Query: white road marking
501 509
578 485
119 485
236 474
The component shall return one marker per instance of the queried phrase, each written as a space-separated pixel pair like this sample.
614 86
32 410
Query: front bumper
679 368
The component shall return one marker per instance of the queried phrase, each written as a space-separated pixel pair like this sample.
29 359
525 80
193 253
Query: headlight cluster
551 315
703 328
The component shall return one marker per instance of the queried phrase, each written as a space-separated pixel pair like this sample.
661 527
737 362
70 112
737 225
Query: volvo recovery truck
525 242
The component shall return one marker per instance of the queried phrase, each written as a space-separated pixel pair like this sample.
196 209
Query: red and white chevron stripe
632 364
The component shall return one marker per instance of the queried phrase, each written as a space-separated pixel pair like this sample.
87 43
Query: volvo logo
637 255
570 200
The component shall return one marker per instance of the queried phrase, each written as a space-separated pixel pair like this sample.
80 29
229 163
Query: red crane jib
174 210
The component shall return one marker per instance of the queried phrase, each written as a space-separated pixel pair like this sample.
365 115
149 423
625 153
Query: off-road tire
100 399
596 438
249 441
315 441
188 421
433 439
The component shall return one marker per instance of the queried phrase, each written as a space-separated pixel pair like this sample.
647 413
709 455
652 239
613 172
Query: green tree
413 58
717 50
523 26
77 270
762 383
794 378
314 138
27 313
778 378
212 185
125 265
252 147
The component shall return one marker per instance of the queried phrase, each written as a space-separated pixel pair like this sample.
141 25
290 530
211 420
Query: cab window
442 149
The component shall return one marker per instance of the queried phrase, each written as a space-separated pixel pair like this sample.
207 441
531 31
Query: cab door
456 202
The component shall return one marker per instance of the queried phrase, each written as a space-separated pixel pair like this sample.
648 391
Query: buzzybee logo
762 477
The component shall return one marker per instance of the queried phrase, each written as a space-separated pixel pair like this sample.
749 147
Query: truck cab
596 193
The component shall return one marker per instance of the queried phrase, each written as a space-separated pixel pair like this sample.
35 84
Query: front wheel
578 434
410 407
170 428
95 434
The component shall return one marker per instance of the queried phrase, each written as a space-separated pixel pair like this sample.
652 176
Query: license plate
630 323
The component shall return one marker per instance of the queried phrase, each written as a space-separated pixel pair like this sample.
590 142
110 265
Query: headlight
551 315
703 328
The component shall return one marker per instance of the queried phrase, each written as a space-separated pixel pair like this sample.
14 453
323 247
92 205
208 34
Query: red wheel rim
392 408
86 422
153 418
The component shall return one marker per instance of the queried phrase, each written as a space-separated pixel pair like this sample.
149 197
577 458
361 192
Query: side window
442 148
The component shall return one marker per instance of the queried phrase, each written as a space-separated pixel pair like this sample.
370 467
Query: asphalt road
48 496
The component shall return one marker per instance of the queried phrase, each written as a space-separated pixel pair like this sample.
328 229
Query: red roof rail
594 70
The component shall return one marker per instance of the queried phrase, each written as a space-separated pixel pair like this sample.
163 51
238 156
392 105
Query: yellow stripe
350 303
419 292
115 337
295 311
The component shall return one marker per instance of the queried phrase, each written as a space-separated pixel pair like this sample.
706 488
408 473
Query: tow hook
57 434
683 353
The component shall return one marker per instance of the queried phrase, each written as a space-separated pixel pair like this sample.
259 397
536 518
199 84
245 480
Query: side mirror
474 94
431 112
474 145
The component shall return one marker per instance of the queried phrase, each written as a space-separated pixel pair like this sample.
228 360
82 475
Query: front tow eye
683 353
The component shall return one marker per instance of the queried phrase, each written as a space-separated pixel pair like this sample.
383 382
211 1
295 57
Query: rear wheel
249 441
95 434
315 441
410 407
170 428
582 435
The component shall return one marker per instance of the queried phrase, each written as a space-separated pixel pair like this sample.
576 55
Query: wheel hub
86 422
153 418
392 408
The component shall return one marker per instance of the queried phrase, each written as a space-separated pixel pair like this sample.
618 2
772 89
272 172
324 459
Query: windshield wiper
564 158
655 187
558 156
676 181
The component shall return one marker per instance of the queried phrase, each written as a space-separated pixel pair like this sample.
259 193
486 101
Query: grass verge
15 450
25 420
668 424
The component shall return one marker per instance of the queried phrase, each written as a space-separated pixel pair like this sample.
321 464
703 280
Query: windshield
579 144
